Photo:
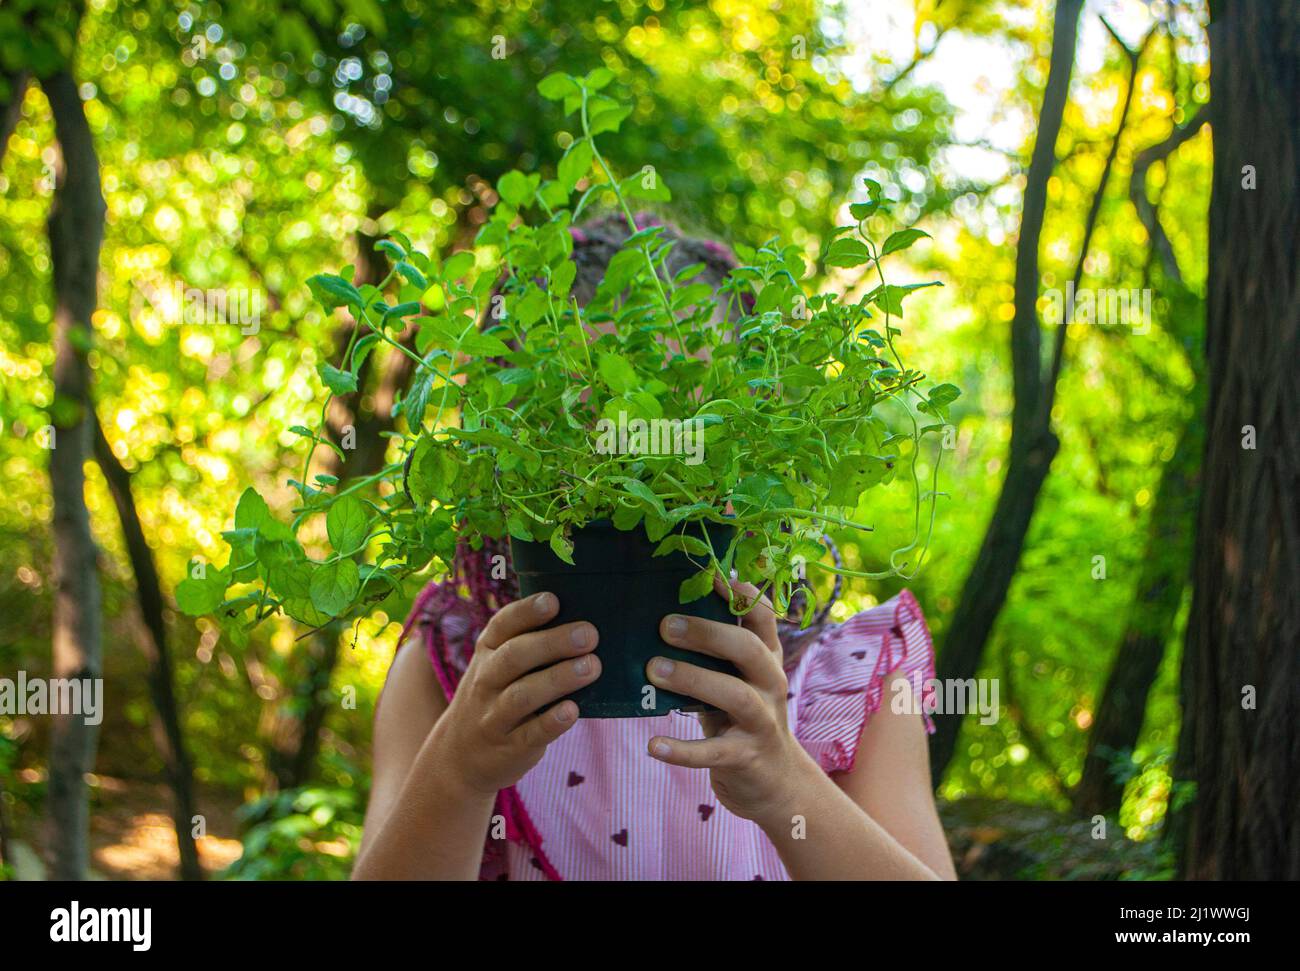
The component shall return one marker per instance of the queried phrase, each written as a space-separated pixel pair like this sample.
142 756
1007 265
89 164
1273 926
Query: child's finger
753 658
521 698
705 753
517 617
723 691
541 730
761 618
535 649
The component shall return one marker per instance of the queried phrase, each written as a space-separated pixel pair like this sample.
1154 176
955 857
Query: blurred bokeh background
243 146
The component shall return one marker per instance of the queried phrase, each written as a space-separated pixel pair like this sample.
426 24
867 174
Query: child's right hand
491 734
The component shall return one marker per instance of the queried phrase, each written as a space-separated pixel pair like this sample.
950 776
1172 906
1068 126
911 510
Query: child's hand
491 733
755 763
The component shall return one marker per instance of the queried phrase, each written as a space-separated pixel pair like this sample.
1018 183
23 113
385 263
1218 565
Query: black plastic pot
619 587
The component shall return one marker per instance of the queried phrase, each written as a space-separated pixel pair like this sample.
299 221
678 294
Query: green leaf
458 264
562 278
846 251
334 586
401 310
644 493
902 240
854 474
201 596
941 396
890 298
339 382
607 117
691 545
252 510
576 163
333 291
515 188
433 470
347 524
616 372
290 577
361 350
416 401
411 274
483 345
699 294
627 516
562 546
434 297
695 587
302 610
598 78
557 87
531 307
863 210
759 491
635 187
944 394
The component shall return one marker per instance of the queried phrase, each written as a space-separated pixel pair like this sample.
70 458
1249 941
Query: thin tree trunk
1165 572
76 227
13 87
165 722
4 834
1240 740
1166 560
1033 445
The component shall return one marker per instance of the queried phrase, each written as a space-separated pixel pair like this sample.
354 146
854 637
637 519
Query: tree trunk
1166 572
1033 445
1240 741
13 88
165 723
76 227
1122 708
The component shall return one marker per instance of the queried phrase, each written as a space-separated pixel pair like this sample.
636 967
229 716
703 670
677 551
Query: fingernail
581 636
564 713
660 749
735 575
663 667
544 603
675 625
582 666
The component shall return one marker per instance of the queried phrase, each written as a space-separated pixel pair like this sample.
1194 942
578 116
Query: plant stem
631 223
823 516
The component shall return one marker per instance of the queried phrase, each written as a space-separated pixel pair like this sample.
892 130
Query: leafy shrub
300 834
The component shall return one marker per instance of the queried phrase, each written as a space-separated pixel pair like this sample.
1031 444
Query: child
807 771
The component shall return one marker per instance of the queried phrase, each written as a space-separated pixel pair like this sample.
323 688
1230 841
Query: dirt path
131 834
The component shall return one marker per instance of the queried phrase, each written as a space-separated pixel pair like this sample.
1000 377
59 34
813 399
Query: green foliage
302 834
776 418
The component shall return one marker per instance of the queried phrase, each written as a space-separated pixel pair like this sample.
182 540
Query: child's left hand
756 766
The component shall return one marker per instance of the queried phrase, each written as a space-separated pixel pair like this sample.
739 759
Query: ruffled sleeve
839 683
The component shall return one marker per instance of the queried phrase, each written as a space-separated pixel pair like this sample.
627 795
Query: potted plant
632 448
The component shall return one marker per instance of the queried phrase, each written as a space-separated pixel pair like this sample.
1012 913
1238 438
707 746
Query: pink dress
597 807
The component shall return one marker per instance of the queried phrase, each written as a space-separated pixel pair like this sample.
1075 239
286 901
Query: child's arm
438 766
876 821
